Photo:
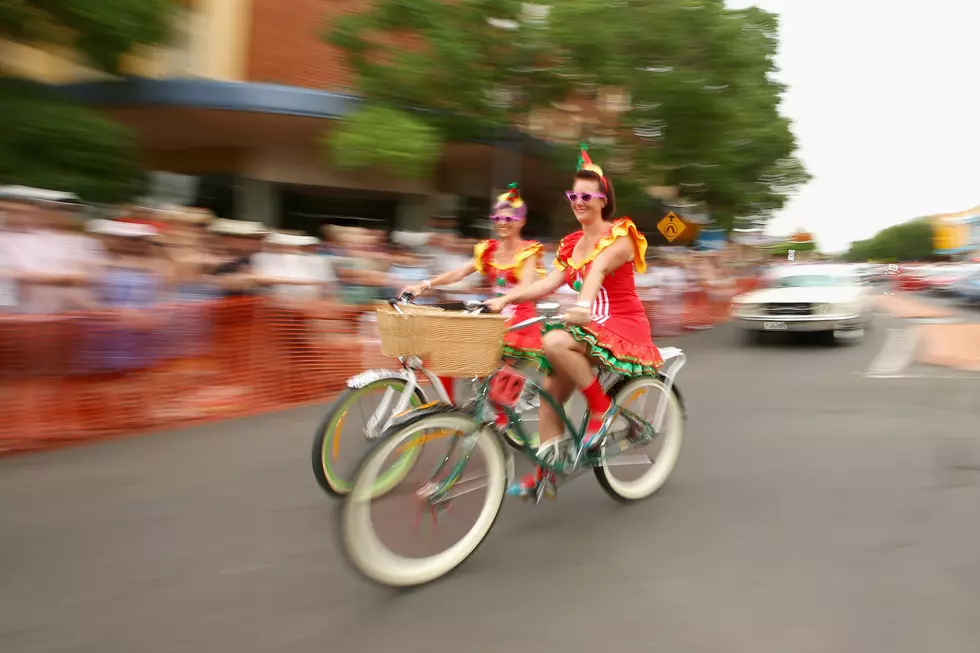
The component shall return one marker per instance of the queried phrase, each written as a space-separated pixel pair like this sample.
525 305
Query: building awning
254 98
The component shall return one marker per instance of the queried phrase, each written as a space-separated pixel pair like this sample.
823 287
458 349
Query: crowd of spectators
53 261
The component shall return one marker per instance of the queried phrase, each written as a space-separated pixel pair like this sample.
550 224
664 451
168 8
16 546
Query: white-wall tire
369 555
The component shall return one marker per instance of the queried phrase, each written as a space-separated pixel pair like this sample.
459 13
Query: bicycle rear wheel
641 396
365 527
329 471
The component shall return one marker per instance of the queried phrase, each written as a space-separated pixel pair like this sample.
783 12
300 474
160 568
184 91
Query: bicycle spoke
467 483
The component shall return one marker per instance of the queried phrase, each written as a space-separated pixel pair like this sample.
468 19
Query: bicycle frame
390 404
674 360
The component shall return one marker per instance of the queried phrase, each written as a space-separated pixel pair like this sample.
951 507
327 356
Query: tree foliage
379 136
100 31
49 142
704 110
910 241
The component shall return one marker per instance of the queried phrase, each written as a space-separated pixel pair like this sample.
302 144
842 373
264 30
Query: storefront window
307 208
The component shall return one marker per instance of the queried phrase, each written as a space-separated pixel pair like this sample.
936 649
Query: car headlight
746 309
840 308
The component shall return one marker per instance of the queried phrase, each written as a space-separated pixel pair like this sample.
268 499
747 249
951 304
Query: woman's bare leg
550 425
570 368
567 357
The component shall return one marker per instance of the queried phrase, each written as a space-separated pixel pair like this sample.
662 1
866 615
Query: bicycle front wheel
367 527
352 411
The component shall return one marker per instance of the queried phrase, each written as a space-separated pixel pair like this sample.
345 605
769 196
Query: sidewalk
911 309
950 345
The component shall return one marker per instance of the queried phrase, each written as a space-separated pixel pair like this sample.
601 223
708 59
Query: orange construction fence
65 378
77 377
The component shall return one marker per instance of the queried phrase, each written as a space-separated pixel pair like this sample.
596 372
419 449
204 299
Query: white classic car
813 298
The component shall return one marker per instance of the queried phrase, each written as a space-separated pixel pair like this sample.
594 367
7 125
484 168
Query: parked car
871 272
967 289
941 281
829 299
912 278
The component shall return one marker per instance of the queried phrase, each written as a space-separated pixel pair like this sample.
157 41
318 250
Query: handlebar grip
404 297
475 307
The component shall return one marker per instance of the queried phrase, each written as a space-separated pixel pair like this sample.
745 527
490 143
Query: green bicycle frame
479 407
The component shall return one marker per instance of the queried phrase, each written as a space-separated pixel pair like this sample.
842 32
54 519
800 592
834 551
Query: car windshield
810 281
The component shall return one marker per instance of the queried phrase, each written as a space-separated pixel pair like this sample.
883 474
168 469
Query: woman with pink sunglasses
511 264
607 328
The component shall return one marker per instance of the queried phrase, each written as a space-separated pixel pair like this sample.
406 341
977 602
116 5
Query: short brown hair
605 184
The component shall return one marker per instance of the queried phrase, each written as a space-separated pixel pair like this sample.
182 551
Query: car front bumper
801 323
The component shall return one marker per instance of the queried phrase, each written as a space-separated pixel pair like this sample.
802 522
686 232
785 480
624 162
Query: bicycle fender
674 388
368 377
409 416
680 399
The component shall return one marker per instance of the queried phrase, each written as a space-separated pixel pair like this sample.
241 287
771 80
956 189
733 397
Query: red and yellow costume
524 344
619 334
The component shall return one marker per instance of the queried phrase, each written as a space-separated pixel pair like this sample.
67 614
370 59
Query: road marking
922 376
896 354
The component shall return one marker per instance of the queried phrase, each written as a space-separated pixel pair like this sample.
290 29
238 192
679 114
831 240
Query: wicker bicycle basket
450 343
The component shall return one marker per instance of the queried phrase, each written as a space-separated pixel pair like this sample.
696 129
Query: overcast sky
886 109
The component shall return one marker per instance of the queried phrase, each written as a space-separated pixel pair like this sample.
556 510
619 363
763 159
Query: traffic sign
671 227
792 254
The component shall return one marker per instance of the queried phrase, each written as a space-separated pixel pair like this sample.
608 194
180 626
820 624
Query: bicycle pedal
550 493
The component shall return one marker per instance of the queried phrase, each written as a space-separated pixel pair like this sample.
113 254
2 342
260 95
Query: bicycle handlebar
473 307
538 319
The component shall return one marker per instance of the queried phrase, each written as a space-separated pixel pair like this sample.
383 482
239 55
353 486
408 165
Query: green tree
49 142
704 103
909 241
384 137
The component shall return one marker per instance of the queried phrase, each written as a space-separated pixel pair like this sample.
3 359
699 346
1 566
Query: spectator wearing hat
45 264
290 268
125 334
237 242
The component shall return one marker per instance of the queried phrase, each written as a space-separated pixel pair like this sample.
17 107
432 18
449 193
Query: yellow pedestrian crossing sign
671 227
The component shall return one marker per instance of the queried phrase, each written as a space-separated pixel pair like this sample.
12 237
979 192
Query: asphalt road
814 510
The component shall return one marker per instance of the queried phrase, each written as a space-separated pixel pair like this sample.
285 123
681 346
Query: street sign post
671 227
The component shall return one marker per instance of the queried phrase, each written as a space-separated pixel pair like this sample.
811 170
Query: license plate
774 326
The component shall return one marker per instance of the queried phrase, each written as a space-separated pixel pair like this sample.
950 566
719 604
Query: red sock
597 399
447 383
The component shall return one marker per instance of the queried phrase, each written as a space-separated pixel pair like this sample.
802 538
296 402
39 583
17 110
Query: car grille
788 309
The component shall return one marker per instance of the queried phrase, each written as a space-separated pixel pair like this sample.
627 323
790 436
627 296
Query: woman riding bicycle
606 327
511 264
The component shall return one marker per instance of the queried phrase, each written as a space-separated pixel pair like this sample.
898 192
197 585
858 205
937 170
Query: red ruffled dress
619 334
523 345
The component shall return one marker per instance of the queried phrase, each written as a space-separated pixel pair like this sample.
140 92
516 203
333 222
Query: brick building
241 96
